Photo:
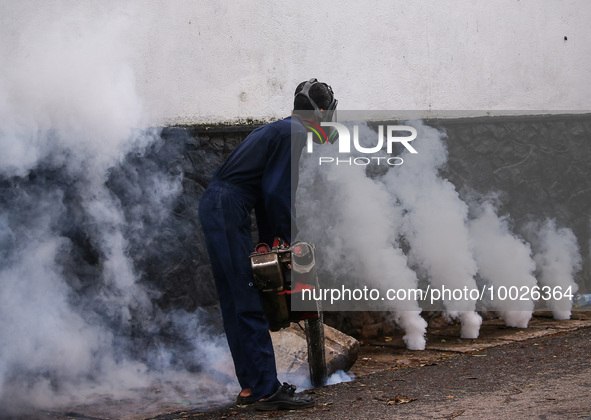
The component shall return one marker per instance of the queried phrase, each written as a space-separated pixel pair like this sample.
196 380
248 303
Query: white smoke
366 226
365 215
357 241
70 77
302 381
434 225
339 376
504 263
362 216
557 260
77 326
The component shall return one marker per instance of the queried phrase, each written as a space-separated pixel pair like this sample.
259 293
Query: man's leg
227 230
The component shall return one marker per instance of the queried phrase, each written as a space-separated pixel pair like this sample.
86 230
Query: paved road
542 372
547 377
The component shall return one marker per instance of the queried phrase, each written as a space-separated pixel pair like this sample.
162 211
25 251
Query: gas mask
321 134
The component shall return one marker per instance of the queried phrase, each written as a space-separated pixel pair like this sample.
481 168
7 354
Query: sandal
247 400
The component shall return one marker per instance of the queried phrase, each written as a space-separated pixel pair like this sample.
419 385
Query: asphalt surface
543 371
544 377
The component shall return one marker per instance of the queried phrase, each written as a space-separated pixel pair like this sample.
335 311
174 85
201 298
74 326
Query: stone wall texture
539 165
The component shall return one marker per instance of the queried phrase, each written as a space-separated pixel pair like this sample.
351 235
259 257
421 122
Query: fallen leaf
400 400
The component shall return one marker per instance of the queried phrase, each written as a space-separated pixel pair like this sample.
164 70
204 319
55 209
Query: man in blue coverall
258 175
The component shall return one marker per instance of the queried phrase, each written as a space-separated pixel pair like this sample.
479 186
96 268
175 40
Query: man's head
313 99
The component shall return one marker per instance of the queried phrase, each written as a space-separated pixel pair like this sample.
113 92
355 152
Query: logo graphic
339 131
360 139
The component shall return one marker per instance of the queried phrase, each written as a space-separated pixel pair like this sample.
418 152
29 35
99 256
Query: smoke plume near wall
557 258
77 319
352 220
399 226
503 261
434 225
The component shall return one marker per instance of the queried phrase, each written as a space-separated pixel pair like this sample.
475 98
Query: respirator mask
321 134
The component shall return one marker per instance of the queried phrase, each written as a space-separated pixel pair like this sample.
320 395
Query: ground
540 372
543 372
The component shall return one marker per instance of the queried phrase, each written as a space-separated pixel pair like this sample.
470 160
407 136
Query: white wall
212 61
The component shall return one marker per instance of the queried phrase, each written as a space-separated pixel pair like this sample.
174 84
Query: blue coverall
257 175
